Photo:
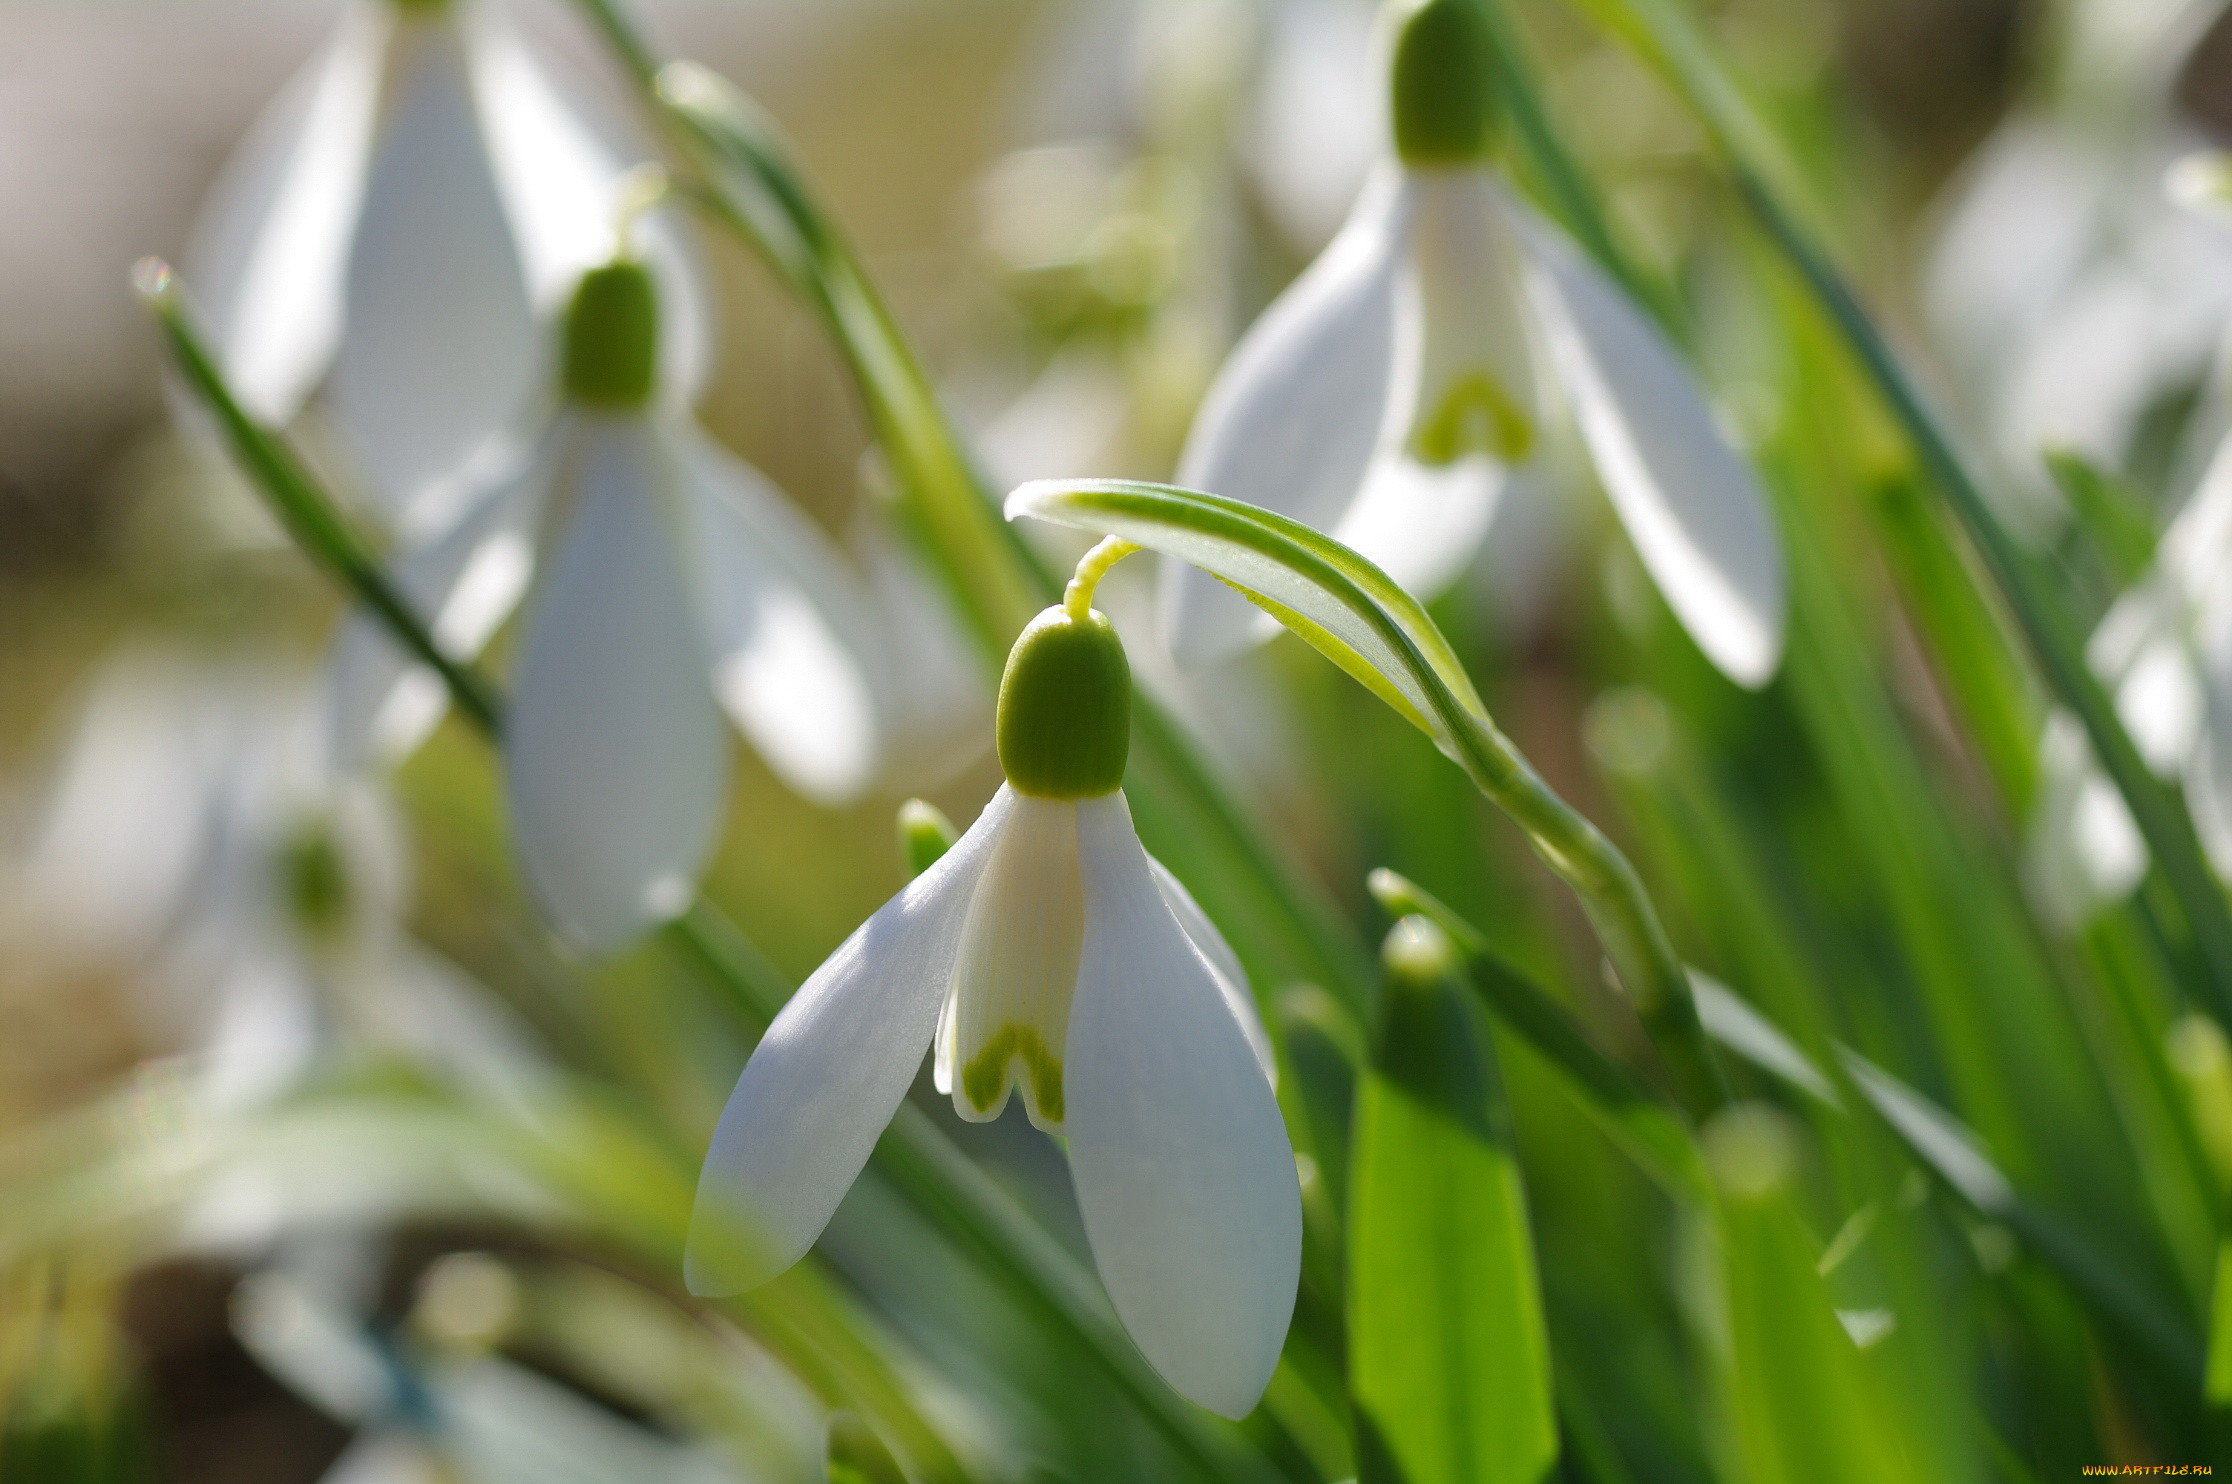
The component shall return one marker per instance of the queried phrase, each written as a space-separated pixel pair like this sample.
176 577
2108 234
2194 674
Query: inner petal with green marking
1017 968
1473 415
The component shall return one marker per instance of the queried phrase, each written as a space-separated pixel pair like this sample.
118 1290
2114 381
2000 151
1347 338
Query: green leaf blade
1449 1357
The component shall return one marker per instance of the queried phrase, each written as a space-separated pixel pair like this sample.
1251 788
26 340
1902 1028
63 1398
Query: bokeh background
1074 207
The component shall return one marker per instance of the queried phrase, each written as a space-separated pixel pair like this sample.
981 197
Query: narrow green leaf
2112 513
1636 1117
1802 1401
1449 1360
2216 1381
858 1456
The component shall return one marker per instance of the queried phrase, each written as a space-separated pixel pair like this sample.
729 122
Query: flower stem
1077 598
1635 941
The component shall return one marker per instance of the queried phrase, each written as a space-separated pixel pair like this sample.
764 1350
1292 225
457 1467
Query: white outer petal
1423 526
1292 421
271 245
1691 504
561 182
1184 1175
463 582
2208 771
1232 979
616 758
785 623
934 697
442 346
829 1074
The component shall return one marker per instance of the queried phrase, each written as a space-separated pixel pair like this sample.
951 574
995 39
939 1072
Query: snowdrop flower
2164 651
1383 397
397 229
670 584
194 847
1045 956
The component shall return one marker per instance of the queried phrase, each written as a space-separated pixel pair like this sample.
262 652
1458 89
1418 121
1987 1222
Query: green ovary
984 1081
1474 416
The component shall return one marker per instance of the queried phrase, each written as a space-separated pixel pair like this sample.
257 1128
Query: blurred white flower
1045 950
2164 651
671 584
1384 397
398 228
2069 296
193 847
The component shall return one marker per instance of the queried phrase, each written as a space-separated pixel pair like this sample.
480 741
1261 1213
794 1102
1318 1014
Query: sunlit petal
463 582
785 624
271 247
1294 417
442 346
1423 525
1232 979
1691 504
933 699
616 758
561 184
1183 1172
829 1074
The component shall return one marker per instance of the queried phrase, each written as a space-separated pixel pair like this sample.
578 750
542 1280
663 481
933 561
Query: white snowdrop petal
561 183
616 758
271 246
1184 1175
786 625
829 1074
462 582
934 698
1292 420
2160 703
1423 526
1232 979
442 346
1690 503
2208 770
2084 850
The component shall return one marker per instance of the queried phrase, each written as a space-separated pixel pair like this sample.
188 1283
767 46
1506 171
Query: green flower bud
612 338
925 835
1444 85
1065 707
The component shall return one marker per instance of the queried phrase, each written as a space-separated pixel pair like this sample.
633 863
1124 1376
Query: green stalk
1664 35
914 1155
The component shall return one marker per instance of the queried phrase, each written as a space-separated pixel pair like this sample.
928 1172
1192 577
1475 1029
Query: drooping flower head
1046 955
670 584
398 230
1386 397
